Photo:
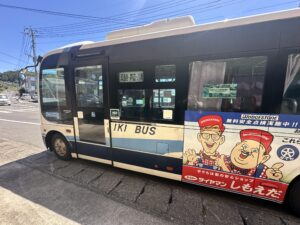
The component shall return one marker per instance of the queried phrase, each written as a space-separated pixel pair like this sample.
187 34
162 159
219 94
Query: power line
126 15
22 49
95 24
83 31
83 25
70 15
31 33
25 51
97 36
8 62
272 6
11 56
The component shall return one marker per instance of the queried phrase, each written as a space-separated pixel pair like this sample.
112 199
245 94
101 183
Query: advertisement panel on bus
252 154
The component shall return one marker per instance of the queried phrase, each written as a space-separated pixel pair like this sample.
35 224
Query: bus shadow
61 187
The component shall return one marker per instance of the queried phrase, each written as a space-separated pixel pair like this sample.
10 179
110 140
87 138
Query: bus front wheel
294 198
61 147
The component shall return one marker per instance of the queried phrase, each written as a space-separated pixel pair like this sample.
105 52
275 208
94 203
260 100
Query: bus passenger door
91 125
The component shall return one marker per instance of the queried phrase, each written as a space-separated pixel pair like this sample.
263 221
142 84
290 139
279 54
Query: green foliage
13 76
8 86
9 80
10 76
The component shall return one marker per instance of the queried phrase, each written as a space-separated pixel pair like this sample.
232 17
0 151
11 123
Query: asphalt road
31 195
37 188
21 122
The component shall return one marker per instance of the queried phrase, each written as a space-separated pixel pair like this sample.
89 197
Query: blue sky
55 31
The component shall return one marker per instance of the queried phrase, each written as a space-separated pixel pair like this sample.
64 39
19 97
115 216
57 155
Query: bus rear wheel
294 198
61 147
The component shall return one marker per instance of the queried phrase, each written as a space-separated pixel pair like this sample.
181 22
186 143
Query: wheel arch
295 180
49 136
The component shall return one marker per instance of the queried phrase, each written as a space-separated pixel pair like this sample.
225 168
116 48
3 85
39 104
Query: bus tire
61 147
294 198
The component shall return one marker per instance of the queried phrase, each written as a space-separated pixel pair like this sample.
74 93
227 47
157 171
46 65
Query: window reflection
89 86
165 73
53 87
227 85
163 98
291 96
132 98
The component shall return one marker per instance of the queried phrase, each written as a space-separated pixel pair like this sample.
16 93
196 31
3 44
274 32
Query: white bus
214 104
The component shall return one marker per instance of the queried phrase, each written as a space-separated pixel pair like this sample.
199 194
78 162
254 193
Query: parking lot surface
37 188
65 188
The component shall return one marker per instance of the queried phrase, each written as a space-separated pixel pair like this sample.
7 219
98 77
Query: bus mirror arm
38 61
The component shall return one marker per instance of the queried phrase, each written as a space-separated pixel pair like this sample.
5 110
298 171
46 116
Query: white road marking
5 112
20 109
23 110
15 121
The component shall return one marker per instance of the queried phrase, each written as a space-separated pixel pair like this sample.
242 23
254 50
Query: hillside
9 80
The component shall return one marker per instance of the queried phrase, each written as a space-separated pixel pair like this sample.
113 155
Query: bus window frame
90 60
271 67
66 109
283 59
149 84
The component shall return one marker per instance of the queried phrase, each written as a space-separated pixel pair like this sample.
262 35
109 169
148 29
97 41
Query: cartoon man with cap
249 155
211 137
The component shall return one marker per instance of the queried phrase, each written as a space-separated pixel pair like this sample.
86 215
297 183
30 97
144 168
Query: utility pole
32 34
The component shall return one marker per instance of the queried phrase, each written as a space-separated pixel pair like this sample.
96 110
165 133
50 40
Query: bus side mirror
39 59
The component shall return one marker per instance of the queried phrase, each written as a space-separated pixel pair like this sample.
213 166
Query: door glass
89 86
90 108
163 104
132 103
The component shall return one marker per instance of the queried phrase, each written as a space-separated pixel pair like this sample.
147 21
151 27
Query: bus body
216 104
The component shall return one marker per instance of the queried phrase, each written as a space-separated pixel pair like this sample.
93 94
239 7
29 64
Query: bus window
227 85
165 73
53 87
163 104
54 102
89 86
132 103
291 95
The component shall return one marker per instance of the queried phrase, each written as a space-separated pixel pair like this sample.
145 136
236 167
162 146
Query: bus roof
227 23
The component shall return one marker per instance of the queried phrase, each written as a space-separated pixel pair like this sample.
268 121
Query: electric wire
64 33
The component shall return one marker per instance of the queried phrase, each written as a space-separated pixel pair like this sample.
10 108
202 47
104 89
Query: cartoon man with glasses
211 137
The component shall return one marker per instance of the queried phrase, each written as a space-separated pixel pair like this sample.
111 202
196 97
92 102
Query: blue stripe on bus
150 161
70 138
148 145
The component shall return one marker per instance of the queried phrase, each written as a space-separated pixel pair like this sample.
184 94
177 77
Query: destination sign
131 77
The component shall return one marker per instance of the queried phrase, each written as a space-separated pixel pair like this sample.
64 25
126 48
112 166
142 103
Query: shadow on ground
62 187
